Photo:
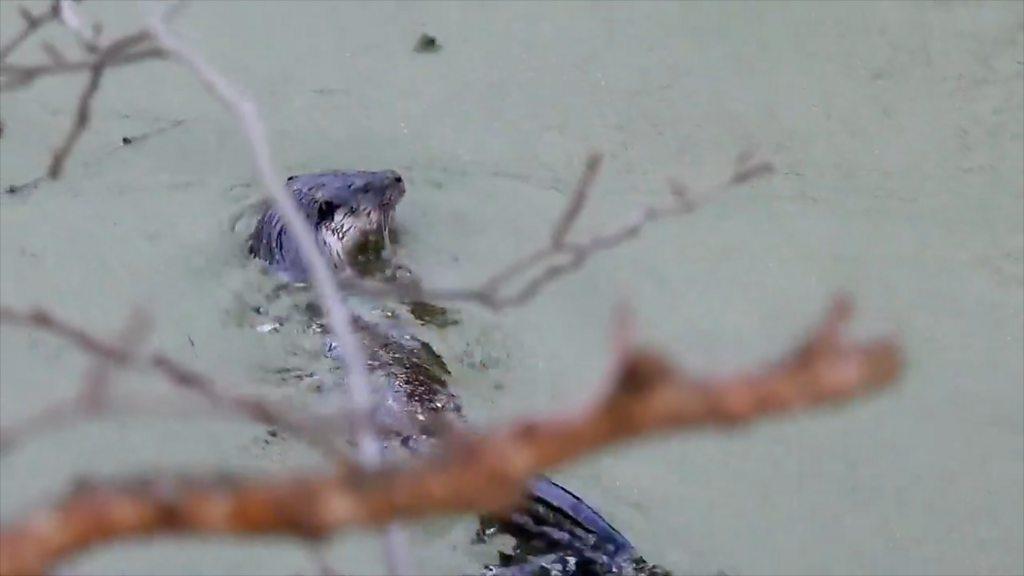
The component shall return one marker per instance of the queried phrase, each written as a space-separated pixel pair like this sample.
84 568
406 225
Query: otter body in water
350 213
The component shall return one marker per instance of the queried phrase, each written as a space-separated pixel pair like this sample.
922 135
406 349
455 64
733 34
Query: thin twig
314 431
97 381
89 40
533 272
21 76
525 277
576 200
70 413
83 112
81 122
330 297
33 22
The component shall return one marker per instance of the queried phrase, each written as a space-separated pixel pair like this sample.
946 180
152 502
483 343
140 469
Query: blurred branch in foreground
485 471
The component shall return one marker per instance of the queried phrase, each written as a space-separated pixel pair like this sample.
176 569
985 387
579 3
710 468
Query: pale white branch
338 317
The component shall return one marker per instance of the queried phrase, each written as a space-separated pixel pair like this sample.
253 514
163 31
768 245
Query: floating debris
427 313
137 138
26 187
314 310
426 44
268 327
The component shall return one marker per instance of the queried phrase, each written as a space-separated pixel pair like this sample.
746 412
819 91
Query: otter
350 213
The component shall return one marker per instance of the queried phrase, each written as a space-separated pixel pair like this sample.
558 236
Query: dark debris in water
26 187
426 44
427 313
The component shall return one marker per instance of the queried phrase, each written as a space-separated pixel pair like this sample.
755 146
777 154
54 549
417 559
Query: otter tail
558 532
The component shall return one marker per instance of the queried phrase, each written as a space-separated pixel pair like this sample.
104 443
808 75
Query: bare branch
129 48
20 76
525 277
73 21
98 379
76 411
476 472
81 121
330 297
576 200
84 407
33 22
751 171
57 58
82 114
513 285
480 472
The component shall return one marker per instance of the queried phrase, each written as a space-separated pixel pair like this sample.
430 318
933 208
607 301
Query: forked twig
83 111
32 23
521 280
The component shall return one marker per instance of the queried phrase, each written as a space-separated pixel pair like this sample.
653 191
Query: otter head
353 212
350 212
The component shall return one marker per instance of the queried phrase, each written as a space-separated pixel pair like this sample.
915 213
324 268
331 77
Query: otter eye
325 211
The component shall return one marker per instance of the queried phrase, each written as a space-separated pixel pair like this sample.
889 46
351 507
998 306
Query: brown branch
473 472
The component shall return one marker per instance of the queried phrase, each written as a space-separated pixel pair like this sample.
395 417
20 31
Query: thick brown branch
481 472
